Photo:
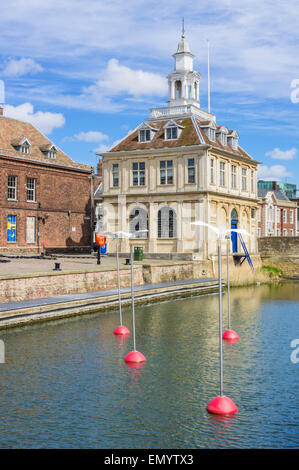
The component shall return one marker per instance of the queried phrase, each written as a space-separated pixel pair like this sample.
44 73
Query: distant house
277 215
289 189
45 196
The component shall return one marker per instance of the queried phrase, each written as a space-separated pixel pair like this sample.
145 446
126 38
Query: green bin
138 253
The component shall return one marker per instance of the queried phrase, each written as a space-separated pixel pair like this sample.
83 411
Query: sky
87 73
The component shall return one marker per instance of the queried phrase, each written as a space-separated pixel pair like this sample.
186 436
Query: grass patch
271 271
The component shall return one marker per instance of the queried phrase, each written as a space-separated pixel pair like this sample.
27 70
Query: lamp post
38 220
229 335
220 405
133 356
120 330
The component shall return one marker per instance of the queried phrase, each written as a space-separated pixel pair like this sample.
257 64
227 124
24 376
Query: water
65 383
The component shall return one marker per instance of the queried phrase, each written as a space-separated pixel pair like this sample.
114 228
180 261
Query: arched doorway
234 235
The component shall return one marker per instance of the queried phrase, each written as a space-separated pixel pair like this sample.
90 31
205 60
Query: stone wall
278 246
176 272
282 253
33 286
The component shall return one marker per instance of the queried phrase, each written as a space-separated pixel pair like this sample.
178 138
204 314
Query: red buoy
135 356
222 406
121 331
230 335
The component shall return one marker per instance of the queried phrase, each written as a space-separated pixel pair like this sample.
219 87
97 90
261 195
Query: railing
184 109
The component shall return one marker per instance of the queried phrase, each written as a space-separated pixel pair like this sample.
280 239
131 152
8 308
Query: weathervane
183 28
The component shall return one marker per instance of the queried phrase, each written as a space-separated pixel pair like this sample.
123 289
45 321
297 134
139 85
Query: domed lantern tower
184 81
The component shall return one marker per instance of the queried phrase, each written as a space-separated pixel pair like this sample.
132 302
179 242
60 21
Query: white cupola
183 82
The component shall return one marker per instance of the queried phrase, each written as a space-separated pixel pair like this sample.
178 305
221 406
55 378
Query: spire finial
183 27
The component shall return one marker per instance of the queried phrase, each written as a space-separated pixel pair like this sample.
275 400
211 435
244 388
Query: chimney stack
100 168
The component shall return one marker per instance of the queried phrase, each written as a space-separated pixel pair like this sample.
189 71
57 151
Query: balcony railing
179 110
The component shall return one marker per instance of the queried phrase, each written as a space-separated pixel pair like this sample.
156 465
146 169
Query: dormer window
212 134
234 144
21 144
52 154
209 129
24 148
233 139
171 133
221 135
49 150
146 133
172 130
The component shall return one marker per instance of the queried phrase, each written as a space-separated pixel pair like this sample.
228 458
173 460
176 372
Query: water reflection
66 384
221 425
121 341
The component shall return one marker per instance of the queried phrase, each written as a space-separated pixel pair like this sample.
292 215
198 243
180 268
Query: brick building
45 196
277 215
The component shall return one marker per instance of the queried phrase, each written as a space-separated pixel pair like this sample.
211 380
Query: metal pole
99 255
132 295
228 284
38 219
209 90
91 210
38 249
220 317
118 281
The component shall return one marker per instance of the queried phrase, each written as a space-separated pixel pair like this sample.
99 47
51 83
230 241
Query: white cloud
261 49
106 147
104 94
117 79
102 148
91 136
274 172
278 154
44 121
17 68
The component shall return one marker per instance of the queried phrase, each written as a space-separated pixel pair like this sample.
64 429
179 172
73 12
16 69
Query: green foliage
271 271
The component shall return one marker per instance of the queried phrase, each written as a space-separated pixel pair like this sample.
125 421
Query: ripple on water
65 383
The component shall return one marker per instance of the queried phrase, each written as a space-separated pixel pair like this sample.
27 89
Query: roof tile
10 132
187 137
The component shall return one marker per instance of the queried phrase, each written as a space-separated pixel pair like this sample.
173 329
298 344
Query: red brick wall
260 222
280 225
287 225
64 197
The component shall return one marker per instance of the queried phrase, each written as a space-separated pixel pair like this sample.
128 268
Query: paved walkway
4 307
12 266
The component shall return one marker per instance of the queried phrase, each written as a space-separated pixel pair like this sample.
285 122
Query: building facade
289 189
177 167
45 196
277 215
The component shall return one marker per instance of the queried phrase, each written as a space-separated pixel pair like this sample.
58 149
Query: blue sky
86 73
